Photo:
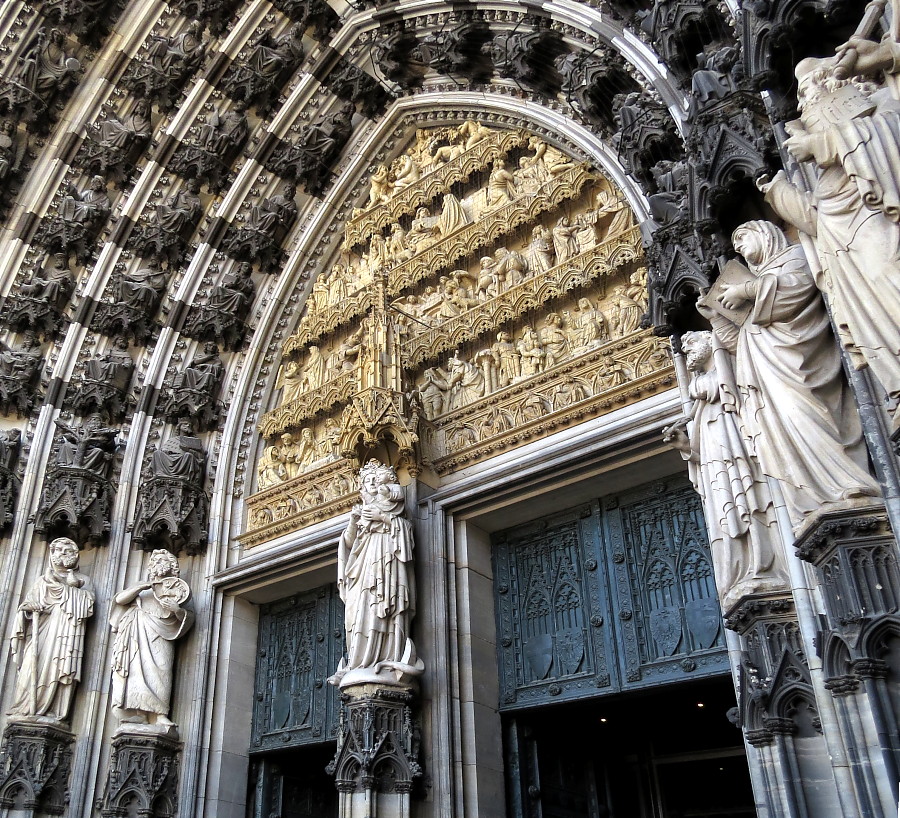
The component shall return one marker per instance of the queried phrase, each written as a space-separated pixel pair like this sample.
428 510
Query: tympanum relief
492 285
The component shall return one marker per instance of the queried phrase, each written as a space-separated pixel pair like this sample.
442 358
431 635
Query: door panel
592 601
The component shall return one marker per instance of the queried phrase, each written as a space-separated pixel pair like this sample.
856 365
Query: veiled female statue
796 406
376 583
736 502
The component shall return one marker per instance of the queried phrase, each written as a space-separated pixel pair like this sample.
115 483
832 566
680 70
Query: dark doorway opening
667 753
294 784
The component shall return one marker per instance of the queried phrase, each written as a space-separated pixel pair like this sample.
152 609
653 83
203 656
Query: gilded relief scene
494 284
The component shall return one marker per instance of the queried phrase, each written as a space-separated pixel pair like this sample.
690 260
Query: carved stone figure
48 637
270 470
318 144
44 72
219 142
173 505
669 203
133 300
711 81
10 441
553 340
852 211
147 619
530 352
501 185
796 406
167 234
78 222
77 496
221 317
269 223
377 585
466 382
258 78
168 63
18 370
540 250
104 382
194 392
588 325
737 505
565 241
507 360
622 312
40 301
12 150
116 142
433 392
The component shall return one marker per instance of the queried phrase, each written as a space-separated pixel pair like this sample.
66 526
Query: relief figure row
296 454
560 337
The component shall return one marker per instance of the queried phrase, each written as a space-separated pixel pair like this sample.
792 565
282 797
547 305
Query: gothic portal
419 410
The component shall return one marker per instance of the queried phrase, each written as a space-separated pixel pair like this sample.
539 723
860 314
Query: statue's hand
676 436
862 56
800 147
765 182
733 296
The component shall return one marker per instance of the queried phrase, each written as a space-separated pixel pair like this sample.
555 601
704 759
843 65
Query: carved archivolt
492 290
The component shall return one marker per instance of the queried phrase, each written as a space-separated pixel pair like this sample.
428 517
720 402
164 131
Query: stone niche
493 284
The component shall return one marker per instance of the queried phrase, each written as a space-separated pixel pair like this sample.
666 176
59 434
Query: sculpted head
375 474
697 347
162 564
64 554
758 242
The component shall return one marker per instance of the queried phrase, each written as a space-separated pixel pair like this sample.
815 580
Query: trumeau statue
48 640
736 500
376 583
847 129
146 620
795 406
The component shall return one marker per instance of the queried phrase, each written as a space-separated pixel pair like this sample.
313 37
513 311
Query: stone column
378 747
777 708
855 556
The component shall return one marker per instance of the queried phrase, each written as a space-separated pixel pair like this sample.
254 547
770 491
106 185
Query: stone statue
736 501
142 288
623 312
173 506
12 150
501 186
540 250
50 284
46 70
48 637
796 406
270 62
105 381
146 621
530 352
853 210
115 141
553 340
377 585
507 360
88 447
167 233
276 214
465 382
194 391
18 370
565 241
167 64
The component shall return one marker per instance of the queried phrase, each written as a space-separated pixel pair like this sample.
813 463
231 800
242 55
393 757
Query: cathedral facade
413 409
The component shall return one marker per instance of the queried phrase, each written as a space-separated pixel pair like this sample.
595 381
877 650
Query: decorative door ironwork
300 644
598 599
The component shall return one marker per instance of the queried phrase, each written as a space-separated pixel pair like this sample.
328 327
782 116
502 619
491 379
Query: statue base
378 748
35 762
144 770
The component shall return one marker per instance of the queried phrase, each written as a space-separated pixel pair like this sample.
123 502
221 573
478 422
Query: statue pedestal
143 773
378 747
35 762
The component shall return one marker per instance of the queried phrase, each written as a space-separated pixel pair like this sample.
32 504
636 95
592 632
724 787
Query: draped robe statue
744 538
376 583
146 620
48 640
796 407
852 134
